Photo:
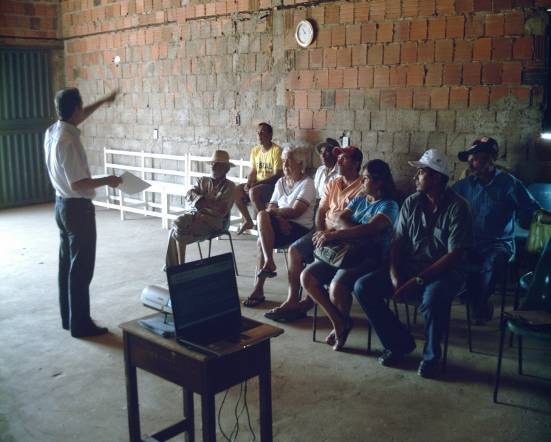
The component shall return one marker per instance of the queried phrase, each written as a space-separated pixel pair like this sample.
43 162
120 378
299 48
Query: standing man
266 169
431 236
74 212
497 199
211 199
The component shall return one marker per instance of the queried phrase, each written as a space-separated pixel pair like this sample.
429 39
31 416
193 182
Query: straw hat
221 156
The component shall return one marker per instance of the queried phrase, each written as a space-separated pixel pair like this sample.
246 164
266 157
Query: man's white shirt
322 177
66 160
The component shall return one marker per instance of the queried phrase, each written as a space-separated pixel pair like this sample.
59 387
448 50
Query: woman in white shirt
289 216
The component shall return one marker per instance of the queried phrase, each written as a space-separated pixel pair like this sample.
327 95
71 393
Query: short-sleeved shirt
495 206
66 160
323 175
266 164
363 212
429 238
338 195
284 196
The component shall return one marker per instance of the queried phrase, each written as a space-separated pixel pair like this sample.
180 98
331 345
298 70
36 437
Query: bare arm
320 218
299 207
396 261
92 183
349 229
91 108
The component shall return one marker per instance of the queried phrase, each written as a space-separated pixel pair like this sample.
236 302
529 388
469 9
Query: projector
157 298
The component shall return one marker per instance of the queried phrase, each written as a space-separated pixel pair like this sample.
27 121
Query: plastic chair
538 299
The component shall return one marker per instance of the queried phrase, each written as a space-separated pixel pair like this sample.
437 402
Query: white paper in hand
131 184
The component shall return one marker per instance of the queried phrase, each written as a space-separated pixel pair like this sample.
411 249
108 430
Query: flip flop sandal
266 274
286 315
253 302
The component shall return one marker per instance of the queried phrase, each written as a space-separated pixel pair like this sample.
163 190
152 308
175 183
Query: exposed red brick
323 39
306 79
434 75
401 31
381 76
377 9
409 52
523 48
415 75
514 23
361 13
522 93
404 98
314 99
338 36
494 25
342 98
392 54
482 5
388 98
511 73
347 13
305 119
365 77
398 76
335 79
344 57
502 49
330 57
350 78
497 93
375 54
301 60
421 98
464 6
316 58
353 35
459 97
418 30
492 73
332 15
385 32
321 78
452 74
369 33
474 26
409 8
445 6
439 98
393 8
359 55
427 7
479 96
425 52
320 119
482 49
455 27
443 50
292 119
471 73
500 5
437 28
301 100
463 51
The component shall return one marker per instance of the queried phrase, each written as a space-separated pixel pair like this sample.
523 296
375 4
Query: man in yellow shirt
266 169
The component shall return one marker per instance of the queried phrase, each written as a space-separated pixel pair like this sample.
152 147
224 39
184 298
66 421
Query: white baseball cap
433 159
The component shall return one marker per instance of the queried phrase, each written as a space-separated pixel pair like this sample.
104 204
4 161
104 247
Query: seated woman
289 215
369 217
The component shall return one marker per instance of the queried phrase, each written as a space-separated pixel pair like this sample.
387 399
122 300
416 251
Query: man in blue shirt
497 199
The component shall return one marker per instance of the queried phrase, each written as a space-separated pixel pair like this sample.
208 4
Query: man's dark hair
67 101
380 171
443 178
268 127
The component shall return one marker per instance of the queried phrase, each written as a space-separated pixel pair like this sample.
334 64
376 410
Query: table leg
265 392
188 414
131 394
208 416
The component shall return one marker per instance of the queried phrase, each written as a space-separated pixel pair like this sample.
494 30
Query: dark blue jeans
76 220
491 264
371 291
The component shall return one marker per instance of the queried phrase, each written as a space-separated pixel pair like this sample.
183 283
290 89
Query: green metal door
26 110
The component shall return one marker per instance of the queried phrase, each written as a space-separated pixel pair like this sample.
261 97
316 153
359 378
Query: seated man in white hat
211 200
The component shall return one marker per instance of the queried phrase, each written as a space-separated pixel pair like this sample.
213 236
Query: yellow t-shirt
266 164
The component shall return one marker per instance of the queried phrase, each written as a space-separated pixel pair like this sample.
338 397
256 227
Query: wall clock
304 33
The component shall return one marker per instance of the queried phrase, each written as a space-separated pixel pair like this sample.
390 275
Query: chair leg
369 337
200 251
233 253
499 358
286 262
315 322
519 341
396 312
415 314
210 245
504 292
469 335
446 340
407 318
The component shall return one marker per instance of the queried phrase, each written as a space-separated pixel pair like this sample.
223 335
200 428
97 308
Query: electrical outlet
345 141
155 134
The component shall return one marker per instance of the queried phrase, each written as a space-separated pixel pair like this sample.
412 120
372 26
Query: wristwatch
419 281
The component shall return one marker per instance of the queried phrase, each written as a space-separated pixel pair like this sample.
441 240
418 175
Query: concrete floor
55 388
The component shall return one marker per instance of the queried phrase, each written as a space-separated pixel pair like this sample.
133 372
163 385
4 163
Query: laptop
207 311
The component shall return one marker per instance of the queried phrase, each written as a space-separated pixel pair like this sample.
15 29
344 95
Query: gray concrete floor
56 388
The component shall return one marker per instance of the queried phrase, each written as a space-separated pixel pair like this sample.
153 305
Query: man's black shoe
428 369
390 358
89 331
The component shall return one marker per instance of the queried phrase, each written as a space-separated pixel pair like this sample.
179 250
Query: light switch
155 134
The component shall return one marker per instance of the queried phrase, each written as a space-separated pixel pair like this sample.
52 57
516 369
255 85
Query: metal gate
26 110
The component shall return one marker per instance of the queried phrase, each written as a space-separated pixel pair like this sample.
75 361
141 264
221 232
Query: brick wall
34 19
397 76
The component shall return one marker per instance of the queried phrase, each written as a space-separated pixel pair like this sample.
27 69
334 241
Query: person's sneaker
428 369
390 358
89 331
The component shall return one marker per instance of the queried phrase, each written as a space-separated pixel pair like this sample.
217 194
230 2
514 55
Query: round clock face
304 33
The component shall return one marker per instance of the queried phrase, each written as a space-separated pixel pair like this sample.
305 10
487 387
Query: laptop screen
205 300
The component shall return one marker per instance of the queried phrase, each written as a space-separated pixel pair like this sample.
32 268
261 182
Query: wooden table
195 373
